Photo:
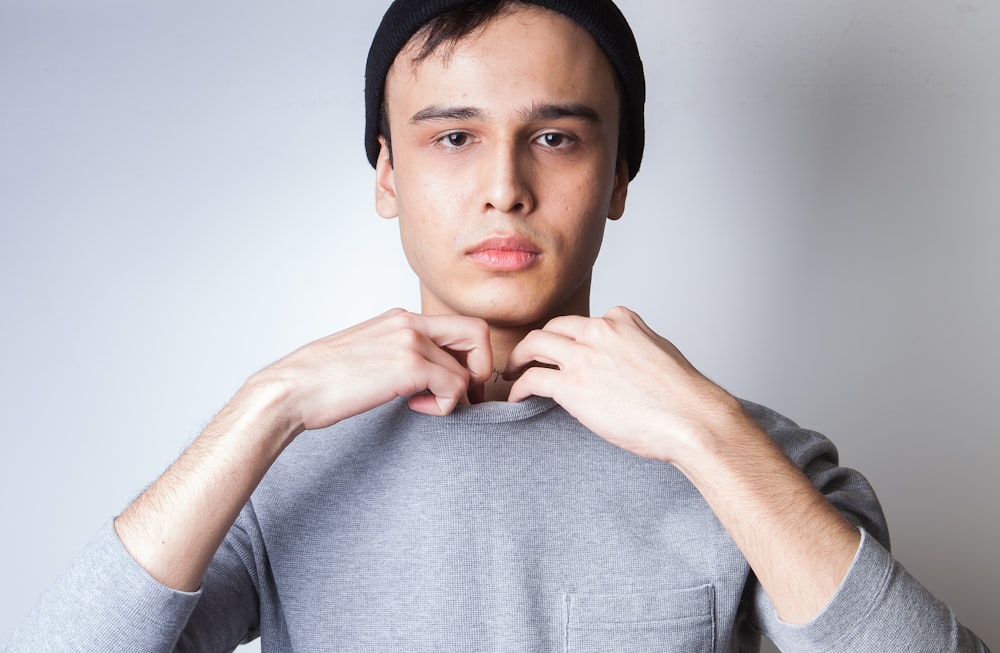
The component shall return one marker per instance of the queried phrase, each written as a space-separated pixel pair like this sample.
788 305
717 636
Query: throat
494 389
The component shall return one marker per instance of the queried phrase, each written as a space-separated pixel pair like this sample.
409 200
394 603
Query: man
501 471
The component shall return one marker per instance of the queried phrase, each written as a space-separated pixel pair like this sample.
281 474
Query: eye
554 140
455 139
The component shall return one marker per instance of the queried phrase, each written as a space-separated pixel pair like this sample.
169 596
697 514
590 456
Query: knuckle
618 313
602 326
394 313
409 338
477 327
531 377
410 358
450 387
552 323
401 318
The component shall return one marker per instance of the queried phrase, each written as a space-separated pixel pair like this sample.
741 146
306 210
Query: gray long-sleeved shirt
503 527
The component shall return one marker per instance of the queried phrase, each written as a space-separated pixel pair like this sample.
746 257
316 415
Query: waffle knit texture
502 527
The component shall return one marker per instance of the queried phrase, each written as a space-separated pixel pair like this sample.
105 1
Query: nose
506 186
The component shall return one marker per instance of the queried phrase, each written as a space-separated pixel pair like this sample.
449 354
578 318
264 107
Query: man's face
505 168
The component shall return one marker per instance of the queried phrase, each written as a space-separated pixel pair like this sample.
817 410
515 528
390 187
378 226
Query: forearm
174 528
636 390
798 545
879 607
104 603
176 525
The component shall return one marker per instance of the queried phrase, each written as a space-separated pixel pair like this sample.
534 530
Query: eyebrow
556 111
439 113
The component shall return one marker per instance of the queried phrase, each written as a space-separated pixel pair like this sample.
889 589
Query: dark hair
449 28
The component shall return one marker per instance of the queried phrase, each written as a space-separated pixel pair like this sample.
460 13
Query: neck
503 340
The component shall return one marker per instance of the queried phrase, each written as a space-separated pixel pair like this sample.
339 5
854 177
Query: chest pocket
673 621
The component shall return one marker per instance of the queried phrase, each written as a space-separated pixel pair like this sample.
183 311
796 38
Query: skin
470 163
479 152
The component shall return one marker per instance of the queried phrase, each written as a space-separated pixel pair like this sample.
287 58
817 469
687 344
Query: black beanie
601 18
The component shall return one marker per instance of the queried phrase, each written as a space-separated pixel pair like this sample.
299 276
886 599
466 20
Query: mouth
505 253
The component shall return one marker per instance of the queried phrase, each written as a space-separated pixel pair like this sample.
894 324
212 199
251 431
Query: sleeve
879 605
107 603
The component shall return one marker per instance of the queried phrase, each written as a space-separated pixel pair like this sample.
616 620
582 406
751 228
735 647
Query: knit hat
601 18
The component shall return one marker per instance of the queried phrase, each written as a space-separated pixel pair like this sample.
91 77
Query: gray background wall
184 198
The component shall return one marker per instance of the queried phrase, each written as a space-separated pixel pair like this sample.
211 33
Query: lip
505 253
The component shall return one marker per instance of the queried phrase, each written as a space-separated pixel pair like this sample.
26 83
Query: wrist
262 409
720 429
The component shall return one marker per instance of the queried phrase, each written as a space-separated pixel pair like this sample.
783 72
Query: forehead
524 44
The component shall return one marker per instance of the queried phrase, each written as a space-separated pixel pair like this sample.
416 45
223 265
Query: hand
621 380
633 388
174 528
430 359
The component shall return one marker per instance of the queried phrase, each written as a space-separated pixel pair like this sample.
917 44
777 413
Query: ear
619 192
385 184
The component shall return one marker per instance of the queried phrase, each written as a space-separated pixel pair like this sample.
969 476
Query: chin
505 305
515 322
517 314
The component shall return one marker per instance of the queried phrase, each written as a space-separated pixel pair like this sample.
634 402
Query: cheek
581 244
417 240
415 228
589 230
593 237
427 232
429 199
591 191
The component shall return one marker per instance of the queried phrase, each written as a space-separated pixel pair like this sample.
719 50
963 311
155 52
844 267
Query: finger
414 364
428 404
569 326
441 389
441 375
467 335
536 381
541 346
476 393
575 326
